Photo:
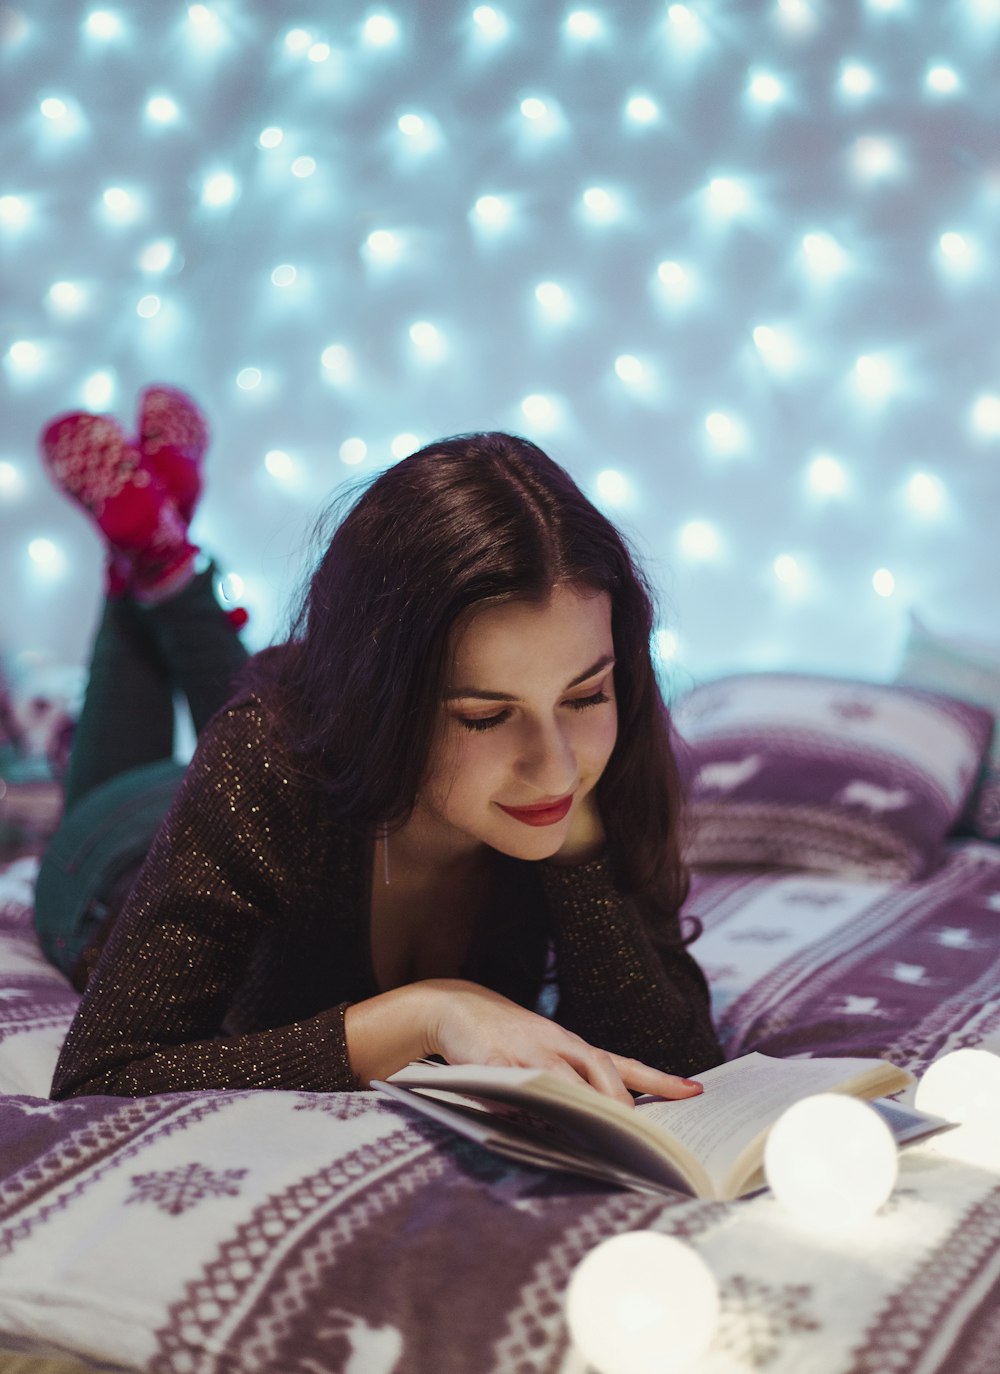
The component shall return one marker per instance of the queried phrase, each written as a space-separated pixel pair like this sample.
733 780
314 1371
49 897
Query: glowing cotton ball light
642 1303
964 1086
831 1161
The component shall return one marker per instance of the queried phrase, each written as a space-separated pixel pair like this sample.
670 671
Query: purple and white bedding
296 1233
798 771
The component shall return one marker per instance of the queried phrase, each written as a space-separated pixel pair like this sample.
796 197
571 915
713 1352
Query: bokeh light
732 265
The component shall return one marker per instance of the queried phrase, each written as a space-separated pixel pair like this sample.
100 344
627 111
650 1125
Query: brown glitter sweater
247 936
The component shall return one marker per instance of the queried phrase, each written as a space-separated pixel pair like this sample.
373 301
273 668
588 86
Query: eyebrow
478 694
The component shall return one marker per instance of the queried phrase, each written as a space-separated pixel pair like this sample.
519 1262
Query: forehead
558 637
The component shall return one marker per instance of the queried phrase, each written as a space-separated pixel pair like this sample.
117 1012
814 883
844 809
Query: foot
173 436
89 458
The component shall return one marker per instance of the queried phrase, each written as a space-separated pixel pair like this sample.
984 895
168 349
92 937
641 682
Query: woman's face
528 723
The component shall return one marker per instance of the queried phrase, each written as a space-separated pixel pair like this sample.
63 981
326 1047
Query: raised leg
127 718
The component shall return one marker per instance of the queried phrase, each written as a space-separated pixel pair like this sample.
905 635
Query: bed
847 880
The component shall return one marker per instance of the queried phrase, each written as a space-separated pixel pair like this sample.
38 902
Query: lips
548 813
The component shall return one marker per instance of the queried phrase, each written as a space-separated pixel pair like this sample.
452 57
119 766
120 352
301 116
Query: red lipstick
548 813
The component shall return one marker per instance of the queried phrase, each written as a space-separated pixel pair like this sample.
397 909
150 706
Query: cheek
604 735
462 767
593 739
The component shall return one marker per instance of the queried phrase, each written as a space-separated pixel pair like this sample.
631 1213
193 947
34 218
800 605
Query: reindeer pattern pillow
799 771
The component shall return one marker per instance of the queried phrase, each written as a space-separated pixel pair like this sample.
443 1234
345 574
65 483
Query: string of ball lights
732 264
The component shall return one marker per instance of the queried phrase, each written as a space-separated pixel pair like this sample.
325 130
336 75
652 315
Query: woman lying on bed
454 778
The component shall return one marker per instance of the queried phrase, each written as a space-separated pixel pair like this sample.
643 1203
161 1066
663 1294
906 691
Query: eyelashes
483 723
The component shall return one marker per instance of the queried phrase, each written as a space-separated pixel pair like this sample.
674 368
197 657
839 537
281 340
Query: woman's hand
585 838
470 1024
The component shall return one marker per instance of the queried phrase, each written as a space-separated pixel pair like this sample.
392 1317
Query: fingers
475 1026
598 1069
642 1078
572 1060
605 1077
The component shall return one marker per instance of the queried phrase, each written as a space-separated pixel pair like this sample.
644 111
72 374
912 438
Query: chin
531 848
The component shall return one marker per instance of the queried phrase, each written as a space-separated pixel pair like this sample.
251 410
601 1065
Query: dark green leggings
142 656
121 775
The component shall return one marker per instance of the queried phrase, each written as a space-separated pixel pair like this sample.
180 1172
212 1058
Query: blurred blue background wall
732 262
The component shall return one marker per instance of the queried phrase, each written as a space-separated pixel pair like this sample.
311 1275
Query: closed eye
582 703
477 724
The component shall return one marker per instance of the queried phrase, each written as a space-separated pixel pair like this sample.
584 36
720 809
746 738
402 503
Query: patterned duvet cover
296 1233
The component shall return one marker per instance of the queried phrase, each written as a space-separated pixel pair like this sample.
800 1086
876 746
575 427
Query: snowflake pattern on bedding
320 1230
757 1317
906 970
958 1283
343 1106
176 1191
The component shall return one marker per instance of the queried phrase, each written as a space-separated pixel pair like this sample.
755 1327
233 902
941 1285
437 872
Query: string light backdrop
732 262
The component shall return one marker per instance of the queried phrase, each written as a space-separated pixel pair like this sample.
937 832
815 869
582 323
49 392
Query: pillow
797 771
969 669
36 1001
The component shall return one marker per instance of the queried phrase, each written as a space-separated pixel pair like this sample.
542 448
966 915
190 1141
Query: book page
560 1114
527 1144
742 1099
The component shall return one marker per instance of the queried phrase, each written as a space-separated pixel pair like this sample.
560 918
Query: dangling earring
384 836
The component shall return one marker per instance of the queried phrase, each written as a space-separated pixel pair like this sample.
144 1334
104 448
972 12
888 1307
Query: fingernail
692 1083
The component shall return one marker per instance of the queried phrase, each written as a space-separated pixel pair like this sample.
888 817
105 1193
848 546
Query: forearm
615 987
339 1050
309 1056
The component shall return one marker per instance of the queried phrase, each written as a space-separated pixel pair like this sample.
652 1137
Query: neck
422 851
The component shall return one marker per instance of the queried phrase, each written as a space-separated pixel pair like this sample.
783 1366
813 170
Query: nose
548 760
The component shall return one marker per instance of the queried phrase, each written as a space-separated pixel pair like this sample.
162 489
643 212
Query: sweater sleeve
617 988
218 873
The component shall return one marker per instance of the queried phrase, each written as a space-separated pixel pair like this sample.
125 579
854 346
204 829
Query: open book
710 1146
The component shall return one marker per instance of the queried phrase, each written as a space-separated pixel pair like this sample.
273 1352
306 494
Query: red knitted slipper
89 457
173 436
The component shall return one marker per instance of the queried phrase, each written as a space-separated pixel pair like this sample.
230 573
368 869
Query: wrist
437 1002
386 1032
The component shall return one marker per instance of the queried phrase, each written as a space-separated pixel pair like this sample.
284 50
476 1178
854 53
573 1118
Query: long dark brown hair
470 520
